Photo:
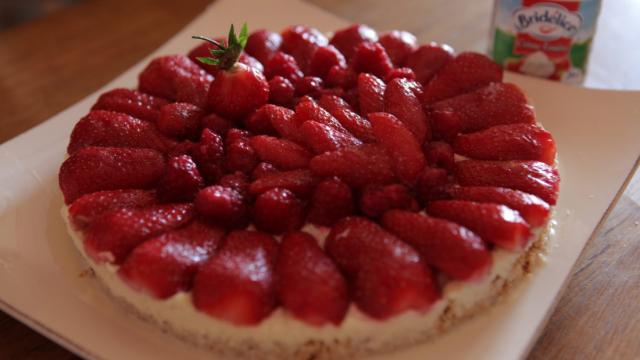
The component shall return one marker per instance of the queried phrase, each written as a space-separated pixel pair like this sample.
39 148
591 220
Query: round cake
290 196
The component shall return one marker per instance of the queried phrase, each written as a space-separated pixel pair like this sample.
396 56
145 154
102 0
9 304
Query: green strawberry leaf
222 56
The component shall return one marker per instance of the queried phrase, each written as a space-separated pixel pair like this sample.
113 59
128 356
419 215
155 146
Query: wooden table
49 64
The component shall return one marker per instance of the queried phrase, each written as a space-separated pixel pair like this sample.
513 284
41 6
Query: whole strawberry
238 89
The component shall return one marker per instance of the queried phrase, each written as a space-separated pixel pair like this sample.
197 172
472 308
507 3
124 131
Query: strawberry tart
292 196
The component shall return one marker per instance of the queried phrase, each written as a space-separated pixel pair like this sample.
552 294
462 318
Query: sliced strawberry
283 65
432 184
439 154
238 282
533 209
310 286
401 144
181 180
238 91
532 177
237 181
282 153
324 58
106 168
400 100
341 77
301 182
371 58
358 165
350 120
375 200
281 91
240 155
466 72
307 109
282 120
208 153
131 102
263 44
494 104
87 208
399 45
107 128
112 236
508 142
216 123
259 122
401 73
322 138
387 276
277 211
225 206
176 78
263 169
449 247
427 60
370 93
309 85
346 40
167 264
180 120
496 224
301 42
331 201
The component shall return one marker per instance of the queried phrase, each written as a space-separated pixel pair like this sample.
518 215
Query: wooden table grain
49 64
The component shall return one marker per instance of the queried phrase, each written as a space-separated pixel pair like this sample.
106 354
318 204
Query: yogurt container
545 38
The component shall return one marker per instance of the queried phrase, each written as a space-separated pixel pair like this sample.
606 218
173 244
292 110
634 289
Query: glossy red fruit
131 102
106 168
322 138
399 45
301 42
331 201
387 276
208 154
176 78
508 142
370 93
427 60
284 65
449 247
466 72
492 105
344 78
309 85
225 206
240 155
282 120
180 181
496 224
310 286
534 210
400 100
281 91
263 44
439 154
238 282
238 91
350 120
107 128
237 181
377 199
301 182
401 144
401 73
277 211
263 169
357 166
371 58
167 264
323 59
259 122
432 184
216 123
87 208
112 236
532 177
282 153
180 120
308 110
346 40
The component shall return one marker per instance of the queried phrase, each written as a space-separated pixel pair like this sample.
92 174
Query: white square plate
40 272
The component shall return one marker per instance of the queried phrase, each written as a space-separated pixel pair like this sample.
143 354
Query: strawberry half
310 286
165 265
180 120
346 40
239 154
112 236
107 168
331 201
466 72
496 224
370 93
324 58
387 276
263 44
427 60
533 209
277 211
508 142
322 138
131 102
401 101
371 58
301 182
282 153
375 200
532 177
238 283
302 42
181 180
223 205
307 109
87 208
399 45
449 247
107 128
350 120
